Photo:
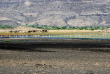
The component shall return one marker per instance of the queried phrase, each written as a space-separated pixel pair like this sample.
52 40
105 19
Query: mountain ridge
55 12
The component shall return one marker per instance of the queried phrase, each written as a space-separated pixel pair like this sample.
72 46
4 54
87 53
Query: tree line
6 26
59 27
70 27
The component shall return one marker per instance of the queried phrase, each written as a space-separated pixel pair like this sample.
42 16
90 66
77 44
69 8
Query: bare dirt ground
55 59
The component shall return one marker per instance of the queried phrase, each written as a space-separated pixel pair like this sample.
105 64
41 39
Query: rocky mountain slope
55 12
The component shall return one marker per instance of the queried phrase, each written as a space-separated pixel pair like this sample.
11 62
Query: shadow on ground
72 46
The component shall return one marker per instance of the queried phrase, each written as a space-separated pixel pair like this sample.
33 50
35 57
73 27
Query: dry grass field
54 32
73 31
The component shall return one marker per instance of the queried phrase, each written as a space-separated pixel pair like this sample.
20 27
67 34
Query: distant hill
55 12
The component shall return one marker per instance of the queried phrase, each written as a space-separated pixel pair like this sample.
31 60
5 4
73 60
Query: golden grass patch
58 32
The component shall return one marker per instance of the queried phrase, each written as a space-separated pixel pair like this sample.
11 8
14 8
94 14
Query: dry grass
57 32
73 31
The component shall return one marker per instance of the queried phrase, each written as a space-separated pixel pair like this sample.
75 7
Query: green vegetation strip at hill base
58 27
7 26
69 27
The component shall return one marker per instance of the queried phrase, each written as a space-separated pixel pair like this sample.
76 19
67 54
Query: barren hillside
55 12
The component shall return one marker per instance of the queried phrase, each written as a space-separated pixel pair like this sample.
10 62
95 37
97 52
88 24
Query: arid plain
62 58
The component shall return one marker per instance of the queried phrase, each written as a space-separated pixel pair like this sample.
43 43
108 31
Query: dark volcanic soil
53 59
